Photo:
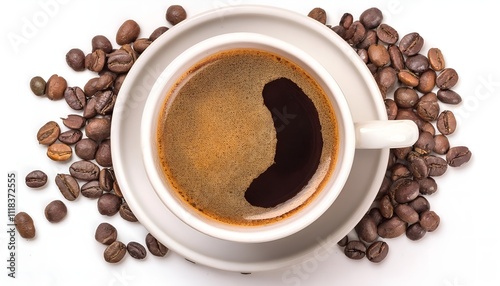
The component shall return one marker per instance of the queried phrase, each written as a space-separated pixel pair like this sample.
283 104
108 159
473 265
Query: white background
464 251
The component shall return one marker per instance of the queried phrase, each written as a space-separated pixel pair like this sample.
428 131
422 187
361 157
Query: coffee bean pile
413 86
86 135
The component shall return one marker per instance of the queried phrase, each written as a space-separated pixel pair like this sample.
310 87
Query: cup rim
246 234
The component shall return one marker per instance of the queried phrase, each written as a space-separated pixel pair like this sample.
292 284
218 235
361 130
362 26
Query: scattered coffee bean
355 34
387 34
86 149
429 220
74 121
346 20
408 78
428 186
68 186
96 60
437 165
427 81
103 154
436 59
24 225
55 211
392 228
441 144
155 247
157 33
106 233
397 59
405 97
56 85
386 207
377 251
59 152
406 213
84 170
36 179
98 128
109 204
91 190
175 14
449 96
343 242
101 42
418 168
428 107
376 215
120 61
115 252
355 250
371 18
71 136
447 79
105 101
386 77
126 213
106 179
411 44
37 85
405 190
446 122
75 58
369 39
48 133
140 45
136 250
425 143
75 98
415 232
420 204
116 189
366 229
128 32
457 156
89 109
378 55
391 108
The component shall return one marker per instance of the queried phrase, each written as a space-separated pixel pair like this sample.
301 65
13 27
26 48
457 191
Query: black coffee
247 137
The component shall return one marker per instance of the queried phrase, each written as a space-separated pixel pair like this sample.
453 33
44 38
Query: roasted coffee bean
339 30
75 98
109 204
103 154
346 20
437 165
376 215
136 250
436 59
59 152
126 213
363 55
447 79
106 233
429 220
75 58
68 186
55 211
71 136
428 107
405 190
116 189
398 171
56 85
391 108
117 84
415 232
24 225
74 121
176 13
157 32
446 122
428 127
343 241
96 60
115 252
370 39
420 204
106 179
120 61
378 55
89 109
130 50
366 229
427 81
98 128
128 32
428 186
84 170
86 149
392 228
155 247
401 153
411 44
105 102
48 133
91 190
386 77
318 14
449 96
101 42
418 168
140 45
425 143
386 207
371 18
384 187
457 156
372 68
355 34
37 85
405 97
36 179
406 213
441 144
355 250
377 251
408 78
387 34
397 59
417 63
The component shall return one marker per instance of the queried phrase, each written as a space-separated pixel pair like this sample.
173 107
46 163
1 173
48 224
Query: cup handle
379 134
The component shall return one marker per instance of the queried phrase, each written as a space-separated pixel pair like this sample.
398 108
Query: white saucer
316 39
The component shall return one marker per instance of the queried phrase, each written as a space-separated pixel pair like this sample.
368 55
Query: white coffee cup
353 135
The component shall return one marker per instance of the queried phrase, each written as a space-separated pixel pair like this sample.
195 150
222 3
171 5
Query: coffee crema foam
215 135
